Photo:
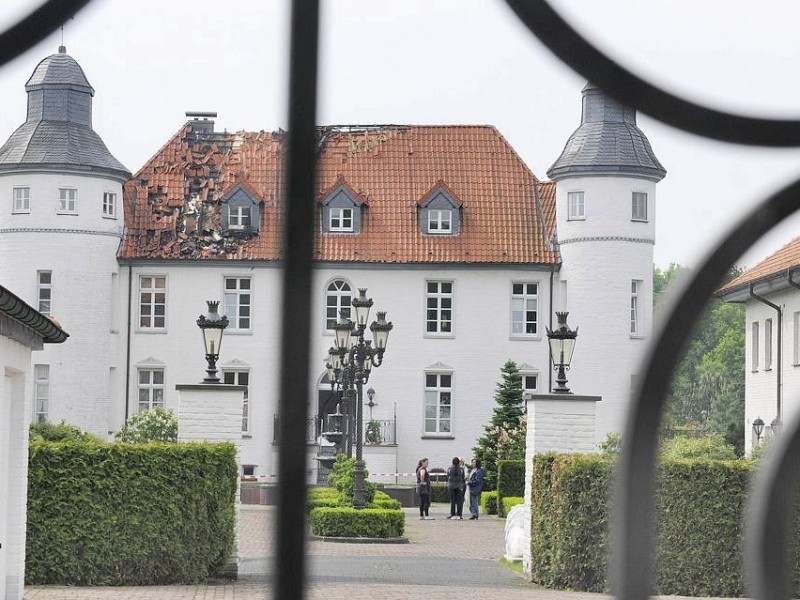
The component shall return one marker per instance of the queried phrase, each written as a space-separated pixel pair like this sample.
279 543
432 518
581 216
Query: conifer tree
504 436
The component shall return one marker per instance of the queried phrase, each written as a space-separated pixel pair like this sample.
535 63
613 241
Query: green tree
504 436
707 391
156 425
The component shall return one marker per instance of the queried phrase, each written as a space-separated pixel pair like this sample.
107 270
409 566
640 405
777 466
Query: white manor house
469 253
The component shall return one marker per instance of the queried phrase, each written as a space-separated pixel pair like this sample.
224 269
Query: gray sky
451 62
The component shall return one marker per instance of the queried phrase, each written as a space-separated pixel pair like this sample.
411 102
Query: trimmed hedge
348 522
699 509
489 503
510 482
129 514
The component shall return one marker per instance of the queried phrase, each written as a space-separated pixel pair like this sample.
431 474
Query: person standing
455 486
475 487
463 494
424 490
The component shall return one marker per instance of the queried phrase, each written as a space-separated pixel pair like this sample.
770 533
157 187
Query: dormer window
342 209
240 210
440 221
440 211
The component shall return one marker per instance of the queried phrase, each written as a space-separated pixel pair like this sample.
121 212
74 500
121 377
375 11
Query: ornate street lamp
350 363
776 426
758 428
562 345
212 325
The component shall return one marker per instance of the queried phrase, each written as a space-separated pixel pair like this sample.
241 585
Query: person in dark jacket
456 486
424 490
475 484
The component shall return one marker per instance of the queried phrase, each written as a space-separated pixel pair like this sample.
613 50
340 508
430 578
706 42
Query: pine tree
504 436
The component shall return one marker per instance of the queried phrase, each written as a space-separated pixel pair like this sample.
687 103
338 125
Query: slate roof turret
608 142
58 134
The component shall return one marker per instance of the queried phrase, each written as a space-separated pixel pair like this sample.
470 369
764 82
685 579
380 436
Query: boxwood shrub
348 522
129 514
489 503
510 482
510 502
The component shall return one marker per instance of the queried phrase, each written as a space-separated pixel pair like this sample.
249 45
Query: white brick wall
213 413
556 423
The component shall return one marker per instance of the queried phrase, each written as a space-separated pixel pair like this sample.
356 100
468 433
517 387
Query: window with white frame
530 382
337 300
21 199
796 341
44 291
239 217
41 393
639 206
524 309
238 302
110 205
341 219
240 377
636 287
439 307
440 221
576 209
152 302
438 402
150 388
67 200
754 346
767 344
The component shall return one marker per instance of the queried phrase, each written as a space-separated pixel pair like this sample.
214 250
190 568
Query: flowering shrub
156 425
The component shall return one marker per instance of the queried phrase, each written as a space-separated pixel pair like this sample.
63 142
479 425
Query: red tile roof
172 203
773 266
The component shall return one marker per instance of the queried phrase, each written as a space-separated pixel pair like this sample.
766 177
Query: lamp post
349 367
776 426
562 345
758 428
212 325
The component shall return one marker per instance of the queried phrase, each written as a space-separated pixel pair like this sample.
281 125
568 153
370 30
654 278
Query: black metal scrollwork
569 46
36 26
772 496
632 547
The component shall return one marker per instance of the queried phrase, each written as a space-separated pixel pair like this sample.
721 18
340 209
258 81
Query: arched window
337 298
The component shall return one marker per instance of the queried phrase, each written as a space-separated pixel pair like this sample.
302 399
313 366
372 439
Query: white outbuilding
23 330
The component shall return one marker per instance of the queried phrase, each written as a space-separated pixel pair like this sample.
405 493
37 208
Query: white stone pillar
563 423
209 412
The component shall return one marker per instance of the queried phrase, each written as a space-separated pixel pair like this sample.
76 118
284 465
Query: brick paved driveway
444 559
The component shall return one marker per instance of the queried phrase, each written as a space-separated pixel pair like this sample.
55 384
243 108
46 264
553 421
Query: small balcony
377 432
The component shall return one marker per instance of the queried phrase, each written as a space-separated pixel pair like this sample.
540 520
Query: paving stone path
443 559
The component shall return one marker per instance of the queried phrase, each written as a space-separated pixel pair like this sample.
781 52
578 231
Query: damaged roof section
175 203
183 205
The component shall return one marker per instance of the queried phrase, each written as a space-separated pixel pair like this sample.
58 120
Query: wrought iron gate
633 549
